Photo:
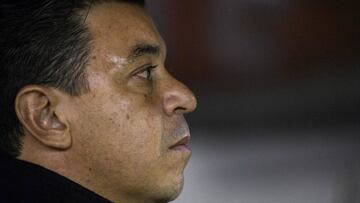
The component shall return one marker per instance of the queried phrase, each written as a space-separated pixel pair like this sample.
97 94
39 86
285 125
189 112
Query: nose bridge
177 97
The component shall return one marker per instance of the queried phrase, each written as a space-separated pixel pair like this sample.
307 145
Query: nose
178 99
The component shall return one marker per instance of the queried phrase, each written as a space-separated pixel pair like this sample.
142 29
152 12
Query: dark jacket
21 181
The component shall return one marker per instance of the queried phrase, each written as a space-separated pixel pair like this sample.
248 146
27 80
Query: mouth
182 144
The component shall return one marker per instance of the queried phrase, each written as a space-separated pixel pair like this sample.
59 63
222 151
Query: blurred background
278 88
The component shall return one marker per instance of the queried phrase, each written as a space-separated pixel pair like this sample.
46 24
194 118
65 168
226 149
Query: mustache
179 131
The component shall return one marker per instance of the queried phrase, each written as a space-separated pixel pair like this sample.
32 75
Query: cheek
121 131
142 136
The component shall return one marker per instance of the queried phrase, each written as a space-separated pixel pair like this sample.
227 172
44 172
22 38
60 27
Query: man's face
123 130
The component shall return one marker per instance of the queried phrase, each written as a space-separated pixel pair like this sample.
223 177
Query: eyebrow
143 49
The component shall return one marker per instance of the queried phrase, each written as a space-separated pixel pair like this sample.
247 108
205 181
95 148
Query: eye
146 73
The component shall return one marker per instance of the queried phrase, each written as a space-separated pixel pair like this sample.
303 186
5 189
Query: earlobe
38 111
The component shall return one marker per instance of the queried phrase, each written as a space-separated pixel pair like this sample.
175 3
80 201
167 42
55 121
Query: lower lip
181 148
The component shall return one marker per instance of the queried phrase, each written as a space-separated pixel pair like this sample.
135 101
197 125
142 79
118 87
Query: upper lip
183 141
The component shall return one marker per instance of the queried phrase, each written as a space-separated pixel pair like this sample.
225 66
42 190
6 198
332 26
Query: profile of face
128 130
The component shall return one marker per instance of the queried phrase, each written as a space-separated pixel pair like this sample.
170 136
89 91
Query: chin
168 197
169 192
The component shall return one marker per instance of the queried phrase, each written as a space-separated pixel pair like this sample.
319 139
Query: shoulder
21 181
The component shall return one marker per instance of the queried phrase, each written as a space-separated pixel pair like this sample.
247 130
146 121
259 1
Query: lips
181 144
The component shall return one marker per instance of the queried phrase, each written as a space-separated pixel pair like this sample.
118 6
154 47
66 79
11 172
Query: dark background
278 88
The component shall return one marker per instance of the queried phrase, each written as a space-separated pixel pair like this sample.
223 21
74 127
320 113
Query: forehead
116 27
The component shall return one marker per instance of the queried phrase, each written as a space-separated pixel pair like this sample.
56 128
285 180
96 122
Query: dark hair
43 42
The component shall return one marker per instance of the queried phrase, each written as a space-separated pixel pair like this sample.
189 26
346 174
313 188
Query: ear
38 111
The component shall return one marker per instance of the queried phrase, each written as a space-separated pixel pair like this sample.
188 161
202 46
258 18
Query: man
88 111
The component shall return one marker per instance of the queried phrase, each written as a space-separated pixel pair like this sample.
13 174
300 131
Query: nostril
180 110
178 100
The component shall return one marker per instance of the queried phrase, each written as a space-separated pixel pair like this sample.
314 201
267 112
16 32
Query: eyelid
147 67
143 68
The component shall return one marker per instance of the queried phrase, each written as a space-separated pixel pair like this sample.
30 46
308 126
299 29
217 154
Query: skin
116 138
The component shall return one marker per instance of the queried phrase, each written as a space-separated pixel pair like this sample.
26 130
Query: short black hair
42 42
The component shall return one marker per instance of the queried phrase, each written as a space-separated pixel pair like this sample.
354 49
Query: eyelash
148 70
